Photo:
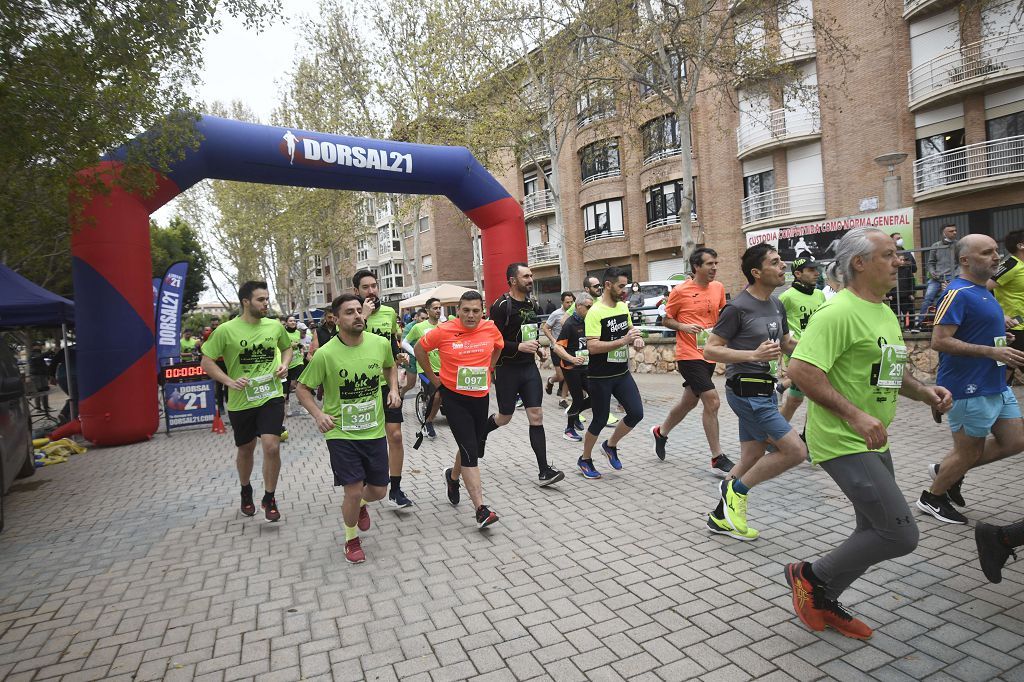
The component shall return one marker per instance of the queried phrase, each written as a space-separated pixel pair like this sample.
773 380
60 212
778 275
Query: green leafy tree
78 79
179 241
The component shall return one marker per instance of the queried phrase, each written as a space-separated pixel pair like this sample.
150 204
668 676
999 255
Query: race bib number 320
359 416
890 370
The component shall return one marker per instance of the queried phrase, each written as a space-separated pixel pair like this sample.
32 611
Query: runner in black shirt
516 374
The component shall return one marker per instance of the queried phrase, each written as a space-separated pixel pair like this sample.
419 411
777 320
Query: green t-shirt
295 339
1009 291
416 334
859 346
384 323
799 307
249 350
187 347
608 324
352 377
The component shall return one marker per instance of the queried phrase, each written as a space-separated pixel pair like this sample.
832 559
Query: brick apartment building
940 83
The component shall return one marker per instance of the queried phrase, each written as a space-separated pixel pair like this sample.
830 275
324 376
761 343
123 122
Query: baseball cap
801 263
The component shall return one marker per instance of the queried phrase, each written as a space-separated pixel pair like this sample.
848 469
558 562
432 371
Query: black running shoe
485 517
992 553
940 507
954 493
549 476
453 487
248 506
721 466
660 442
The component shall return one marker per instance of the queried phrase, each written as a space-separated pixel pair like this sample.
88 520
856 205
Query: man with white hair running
850 363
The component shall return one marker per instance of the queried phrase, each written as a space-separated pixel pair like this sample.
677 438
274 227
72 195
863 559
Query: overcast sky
245 65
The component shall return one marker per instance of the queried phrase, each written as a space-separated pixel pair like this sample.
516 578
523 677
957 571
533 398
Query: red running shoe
839 618
248 506
807 599
270 507
364 519
354 552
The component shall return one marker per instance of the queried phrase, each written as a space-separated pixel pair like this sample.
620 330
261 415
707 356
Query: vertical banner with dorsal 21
168 312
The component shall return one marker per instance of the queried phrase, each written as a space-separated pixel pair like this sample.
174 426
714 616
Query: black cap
801 263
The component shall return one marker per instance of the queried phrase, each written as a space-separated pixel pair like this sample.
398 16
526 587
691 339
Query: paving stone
173 583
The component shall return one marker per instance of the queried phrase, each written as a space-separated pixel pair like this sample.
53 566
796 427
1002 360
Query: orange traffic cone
218 423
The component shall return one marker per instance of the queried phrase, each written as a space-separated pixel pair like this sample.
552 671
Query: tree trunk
686 206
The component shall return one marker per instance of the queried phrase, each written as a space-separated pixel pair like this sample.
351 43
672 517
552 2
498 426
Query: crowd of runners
838 348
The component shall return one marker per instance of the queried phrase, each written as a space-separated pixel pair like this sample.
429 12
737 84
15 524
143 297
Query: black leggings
624 389
467 418
577 382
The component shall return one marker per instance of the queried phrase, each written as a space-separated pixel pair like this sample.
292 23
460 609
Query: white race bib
261 388
890 369
471 379
359 416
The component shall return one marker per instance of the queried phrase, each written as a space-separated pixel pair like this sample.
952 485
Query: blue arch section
249 152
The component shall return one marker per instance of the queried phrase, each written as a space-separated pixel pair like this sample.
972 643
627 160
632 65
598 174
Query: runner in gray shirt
751 334
552 328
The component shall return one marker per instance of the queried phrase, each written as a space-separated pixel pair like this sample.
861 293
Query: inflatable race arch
112 269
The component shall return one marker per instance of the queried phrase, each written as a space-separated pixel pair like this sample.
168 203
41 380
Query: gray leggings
885 526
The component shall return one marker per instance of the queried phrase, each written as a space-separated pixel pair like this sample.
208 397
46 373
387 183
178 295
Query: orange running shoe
839 618
806 598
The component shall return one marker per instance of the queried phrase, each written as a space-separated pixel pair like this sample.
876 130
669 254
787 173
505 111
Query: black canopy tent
25 304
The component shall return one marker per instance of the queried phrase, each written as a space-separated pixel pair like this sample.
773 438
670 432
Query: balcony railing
796 42
542 253
668 220
983 163
654 157
780 204
584 119
601 176
912 8
593 237
538 153
994 58
538 203
782 125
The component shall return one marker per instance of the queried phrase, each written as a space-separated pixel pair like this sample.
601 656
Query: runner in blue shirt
971 339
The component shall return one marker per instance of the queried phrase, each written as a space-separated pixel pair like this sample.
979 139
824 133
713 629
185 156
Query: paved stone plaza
134 563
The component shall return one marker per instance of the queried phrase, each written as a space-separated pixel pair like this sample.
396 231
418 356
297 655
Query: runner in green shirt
1008 286
350 367
800 300
433 307
411 371
249 345
187 346
291 328
850 363
382 321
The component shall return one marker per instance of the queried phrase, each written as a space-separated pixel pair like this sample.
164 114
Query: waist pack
751 385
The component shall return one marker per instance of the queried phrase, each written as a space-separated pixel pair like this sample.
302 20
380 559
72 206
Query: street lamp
892 184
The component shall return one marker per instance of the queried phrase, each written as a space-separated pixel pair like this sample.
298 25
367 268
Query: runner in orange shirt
692 311
469 348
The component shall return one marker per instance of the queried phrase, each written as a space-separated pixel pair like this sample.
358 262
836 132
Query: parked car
16 453
655 296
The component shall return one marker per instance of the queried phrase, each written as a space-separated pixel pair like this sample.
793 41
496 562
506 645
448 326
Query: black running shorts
265 420
697 375
517 380
359 461
391 416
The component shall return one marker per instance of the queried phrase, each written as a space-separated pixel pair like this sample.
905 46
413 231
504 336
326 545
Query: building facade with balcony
939 80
